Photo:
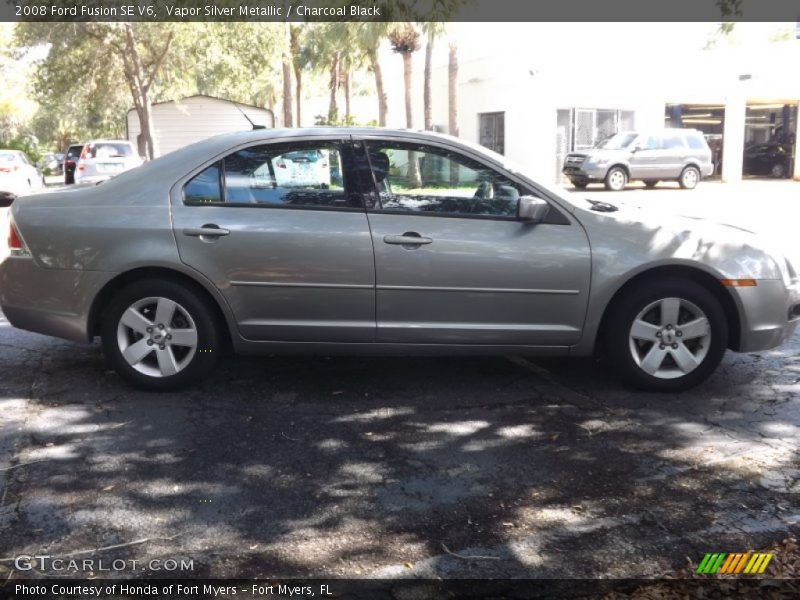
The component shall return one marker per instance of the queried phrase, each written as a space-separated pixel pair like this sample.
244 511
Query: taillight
9 169
16 246
84 152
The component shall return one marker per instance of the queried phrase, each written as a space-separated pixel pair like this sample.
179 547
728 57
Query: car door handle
410 238
206 231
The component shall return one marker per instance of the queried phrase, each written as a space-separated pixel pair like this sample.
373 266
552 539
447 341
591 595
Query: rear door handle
409 238
206 231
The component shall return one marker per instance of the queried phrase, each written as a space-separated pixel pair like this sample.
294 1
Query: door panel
480 281
476 275
297 261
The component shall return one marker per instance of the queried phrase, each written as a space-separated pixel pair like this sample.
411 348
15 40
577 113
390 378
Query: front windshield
618 141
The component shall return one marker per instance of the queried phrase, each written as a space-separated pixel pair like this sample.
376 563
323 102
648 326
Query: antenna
253 125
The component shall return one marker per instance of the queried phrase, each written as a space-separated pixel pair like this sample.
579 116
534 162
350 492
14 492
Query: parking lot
451 467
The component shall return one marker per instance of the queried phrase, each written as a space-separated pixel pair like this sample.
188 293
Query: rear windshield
74 151
111 150
7 157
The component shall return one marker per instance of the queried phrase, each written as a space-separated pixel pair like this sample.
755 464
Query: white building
178 123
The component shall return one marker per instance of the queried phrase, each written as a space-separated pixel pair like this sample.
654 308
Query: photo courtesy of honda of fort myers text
399 299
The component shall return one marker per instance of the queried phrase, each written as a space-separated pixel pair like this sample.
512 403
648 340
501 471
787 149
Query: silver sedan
386 242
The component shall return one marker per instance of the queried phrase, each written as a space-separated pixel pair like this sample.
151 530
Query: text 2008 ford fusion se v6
378 241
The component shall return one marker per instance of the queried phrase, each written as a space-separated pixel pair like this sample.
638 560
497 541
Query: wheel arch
698 275
622 166
103 297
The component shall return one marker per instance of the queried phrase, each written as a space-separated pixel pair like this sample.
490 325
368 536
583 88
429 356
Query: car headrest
380 165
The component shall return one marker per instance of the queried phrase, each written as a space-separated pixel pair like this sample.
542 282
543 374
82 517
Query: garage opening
770 139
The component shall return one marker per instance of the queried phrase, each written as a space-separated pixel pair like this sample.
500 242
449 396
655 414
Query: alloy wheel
157 337
670 338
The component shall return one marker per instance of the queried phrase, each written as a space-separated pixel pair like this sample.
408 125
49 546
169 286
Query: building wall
178 124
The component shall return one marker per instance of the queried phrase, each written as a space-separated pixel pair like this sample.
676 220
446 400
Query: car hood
644 236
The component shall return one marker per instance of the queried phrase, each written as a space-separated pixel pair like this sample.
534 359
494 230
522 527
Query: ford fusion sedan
680 155
405 243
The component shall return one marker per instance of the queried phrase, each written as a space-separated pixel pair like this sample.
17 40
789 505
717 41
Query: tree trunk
382 102
414 179
427 85
287 94
407 72
452 104
140 89
298 81
333 109
347 112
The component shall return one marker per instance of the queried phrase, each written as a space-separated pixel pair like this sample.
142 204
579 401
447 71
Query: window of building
492 131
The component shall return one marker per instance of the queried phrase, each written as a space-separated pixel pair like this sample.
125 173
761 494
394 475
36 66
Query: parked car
194 252
18 175
51 164
303 169
651 156
71 162
104 159
773 159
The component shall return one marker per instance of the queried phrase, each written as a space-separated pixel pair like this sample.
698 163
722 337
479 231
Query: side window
281 175
309 175
204 187
696 142
673 141
649 142
423 179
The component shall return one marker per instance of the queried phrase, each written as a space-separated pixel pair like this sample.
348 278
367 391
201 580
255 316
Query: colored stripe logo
745 563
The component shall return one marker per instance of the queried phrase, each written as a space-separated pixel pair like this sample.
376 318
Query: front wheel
160 335
616 179
666 335
689 178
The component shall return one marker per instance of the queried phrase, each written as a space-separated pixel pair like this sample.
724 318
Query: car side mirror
531 209
6 199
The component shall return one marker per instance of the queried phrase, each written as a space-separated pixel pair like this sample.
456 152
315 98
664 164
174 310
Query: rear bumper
769 314
49 301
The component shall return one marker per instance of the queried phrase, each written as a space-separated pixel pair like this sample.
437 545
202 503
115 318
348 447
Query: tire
69 178
616 179
778 171
651 356
581 185
651 183
689 178
166 364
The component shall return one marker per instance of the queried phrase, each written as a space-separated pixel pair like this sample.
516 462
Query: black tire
616 179
778 170
689 178
617 345
651 183
69 178
581 185
208 345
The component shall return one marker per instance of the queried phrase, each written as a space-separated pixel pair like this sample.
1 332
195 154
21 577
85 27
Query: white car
103 159
17 174
303 168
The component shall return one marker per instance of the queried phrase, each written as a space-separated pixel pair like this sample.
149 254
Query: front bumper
769 314
53 302
585 172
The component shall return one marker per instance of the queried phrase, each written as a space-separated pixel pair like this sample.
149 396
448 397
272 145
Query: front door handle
409 238
206 231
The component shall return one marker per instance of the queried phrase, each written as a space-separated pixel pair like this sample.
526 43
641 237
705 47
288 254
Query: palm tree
405 41
369 37
287 77
431 30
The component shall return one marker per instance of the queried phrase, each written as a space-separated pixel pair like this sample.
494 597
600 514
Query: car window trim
360 142
343 142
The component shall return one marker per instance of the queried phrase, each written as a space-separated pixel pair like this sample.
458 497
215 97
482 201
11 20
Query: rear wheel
689 178
160 335
651 183
778 170
616 179
666 335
